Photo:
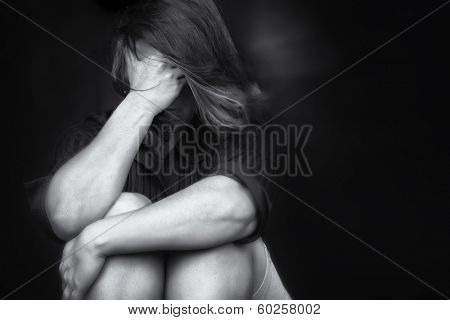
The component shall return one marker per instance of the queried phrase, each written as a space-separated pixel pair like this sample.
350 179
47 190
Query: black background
379 149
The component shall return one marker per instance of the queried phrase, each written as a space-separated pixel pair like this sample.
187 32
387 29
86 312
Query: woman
134 230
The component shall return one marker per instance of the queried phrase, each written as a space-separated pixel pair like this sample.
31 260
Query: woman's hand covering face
154 78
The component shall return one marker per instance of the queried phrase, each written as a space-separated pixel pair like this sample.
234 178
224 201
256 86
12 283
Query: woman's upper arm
73 139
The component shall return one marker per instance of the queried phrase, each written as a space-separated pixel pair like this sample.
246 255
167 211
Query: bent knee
137 276
128 201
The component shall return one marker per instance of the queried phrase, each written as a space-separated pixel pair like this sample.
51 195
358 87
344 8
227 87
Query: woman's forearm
211 212
85 187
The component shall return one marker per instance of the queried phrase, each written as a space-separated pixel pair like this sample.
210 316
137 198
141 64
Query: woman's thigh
227 272
134 276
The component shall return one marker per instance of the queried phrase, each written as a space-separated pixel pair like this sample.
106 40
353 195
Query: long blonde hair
192 35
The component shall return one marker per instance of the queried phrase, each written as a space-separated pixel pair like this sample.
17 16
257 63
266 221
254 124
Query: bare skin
190 274
115 239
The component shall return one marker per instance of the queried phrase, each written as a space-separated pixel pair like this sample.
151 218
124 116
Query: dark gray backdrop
379 148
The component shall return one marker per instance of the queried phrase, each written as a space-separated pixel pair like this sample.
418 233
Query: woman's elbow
237 205
64 226
243 217
63 221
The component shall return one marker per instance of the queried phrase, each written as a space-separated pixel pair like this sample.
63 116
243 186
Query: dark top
143 177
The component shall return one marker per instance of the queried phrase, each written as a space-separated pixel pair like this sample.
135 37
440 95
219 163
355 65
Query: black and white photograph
226 150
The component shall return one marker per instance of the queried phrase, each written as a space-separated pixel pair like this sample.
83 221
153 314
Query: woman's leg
270 287
219 273
228 272
134 276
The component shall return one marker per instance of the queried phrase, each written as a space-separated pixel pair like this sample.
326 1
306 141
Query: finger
62 265
64 285
63 272
69 277
158 58
156 63
177 72
64 278
66 293
66 275
76 295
